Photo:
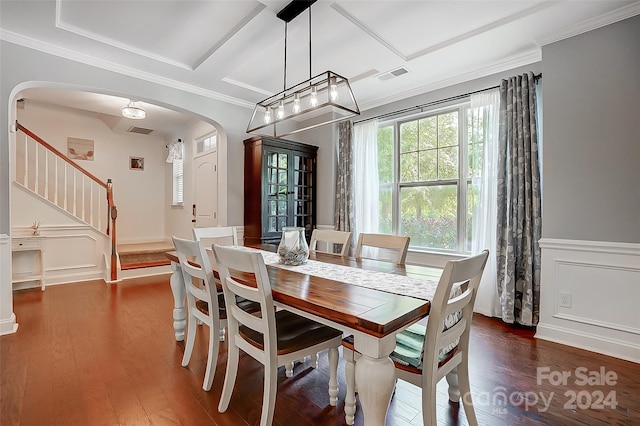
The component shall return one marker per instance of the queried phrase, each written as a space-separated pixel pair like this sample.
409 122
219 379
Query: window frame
462 182
202 139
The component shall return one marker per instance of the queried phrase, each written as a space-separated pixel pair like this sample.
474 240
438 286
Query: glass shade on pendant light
296 103
333 89
323 99
267 115
280 113
134 111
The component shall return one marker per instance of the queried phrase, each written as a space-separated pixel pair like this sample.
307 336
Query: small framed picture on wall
136 163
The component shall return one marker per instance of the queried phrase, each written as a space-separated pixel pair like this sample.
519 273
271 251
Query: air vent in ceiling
140 130
392 74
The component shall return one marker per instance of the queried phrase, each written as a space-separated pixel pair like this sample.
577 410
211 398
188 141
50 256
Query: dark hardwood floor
96 354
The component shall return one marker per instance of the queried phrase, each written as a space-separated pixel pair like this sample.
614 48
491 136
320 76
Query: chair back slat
458 303
452 335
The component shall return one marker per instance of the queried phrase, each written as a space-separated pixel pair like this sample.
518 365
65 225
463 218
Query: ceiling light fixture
134 111
323 99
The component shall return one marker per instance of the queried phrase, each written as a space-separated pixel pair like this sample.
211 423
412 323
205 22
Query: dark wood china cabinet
279 188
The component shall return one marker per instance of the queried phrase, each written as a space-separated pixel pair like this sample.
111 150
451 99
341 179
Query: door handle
193 210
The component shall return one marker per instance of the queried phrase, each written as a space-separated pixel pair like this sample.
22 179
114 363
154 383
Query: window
207 144
426 168
178 179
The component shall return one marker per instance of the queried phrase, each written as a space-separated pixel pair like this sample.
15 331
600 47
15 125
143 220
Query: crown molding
51 49
511 63
617 15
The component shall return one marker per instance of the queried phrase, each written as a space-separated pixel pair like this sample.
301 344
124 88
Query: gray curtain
519 203
344 218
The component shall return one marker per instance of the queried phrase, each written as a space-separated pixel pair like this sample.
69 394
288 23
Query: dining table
369 299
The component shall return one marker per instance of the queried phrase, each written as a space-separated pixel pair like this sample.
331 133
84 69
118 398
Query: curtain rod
536 77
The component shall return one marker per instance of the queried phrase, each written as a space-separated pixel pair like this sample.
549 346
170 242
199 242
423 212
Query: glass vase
293 248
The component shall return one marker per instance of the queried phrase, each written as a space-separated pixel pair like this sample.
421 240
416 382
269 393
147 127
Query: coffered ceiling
234 50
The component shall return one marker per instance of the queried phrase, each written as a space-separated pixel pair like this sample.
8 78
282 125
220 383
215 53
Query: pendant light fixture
324 99
134 111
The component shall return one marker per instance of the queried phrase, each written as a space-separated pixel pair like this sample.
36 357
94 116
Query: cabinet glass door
303 191
277 187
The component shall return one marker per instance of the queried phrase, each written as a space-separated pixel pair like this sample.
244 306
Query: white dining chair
328 239
204 304
389 248
424 355
272 338
209 235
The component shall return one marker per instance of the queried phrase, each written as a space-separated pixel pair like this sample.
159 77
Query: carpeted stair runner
144 255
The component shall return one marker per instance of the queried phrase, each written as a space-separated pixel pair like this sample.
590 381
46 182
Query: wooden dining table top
370 311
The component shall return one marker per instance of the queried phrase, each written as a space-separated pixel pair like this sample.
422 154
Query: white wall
139 195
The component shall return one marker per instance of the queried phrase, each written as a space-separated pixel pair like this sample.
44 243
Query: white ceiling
234 50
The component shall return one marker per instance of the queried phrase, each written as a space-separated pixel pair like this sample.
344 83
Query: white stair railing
51 175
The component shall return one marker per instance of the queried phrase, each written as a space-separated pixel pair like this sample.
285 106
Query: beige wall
139 195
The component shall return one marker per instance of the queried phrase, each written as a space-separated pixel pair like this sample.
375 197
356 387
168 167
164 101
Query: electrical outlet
565 300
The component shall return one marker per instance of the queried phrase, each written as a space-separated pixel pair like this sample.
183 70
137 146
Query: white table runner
383 281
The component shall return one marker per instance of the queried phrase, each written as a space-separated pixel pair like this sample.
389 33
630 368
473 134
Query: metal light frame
291 111
345 106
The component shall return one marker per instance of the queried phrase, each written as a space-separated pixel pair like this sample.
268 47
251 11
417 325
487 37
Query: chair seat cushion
409 343
294 333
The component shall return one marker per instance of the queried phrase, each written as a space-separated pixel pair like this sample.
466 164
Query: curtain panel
343 216
485 123
365 178
519 221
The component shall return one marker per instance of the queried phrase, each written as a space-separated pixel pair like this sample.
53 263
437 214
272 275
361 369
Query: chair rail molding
588 296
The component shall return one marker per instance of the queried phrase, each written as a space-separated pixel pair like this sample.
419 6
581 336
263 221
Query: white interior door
206 189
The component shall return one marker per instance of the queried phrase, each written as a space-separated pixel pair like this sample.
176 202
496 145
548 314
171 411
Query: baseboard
8 326
589 341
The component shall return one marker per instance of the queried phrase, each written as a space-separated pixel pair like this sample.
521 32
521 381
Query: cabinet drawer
25 244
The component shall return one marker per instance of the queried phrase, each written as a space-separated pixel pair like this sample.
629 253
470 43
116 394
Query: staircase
55 179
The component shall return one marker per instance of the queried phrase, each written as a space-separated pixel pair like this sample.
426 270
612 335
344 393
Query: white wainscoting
73 253
8 322
601 282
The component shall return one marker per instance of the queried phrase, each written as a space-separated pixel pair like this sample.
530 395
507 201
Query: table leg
179 311
375 378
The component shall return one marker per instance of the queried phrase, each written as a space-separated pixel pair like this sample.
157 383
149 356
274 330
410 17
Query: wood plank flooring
96 354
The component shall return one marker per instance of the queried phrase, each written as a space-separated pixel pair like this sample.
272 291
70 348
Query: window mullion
462 179
395 190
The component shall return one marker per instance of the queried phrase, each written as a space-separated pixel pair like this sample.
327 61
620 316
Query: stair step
156 247
144 255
